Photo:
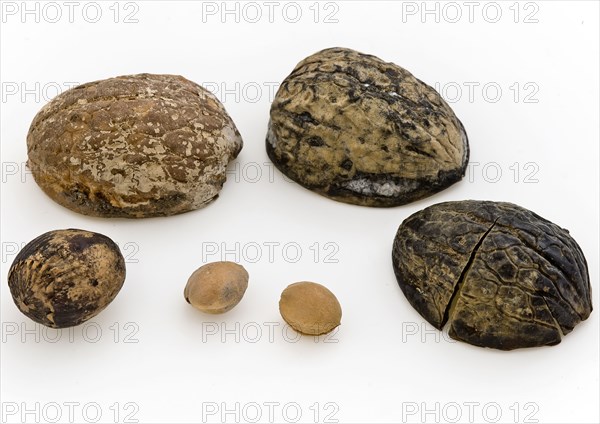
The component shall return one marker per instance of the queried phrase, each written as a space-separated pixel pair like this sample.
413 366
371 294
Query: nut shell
498 274
133 146
360 130
65 277
216 287
310 308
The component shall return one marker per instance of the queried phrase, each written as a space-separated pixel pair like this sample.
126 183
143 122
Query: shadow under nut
133 146
359 130
497 274
65 277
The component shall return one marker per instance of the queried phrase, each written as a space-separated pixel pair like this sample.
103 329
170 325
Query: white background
159 360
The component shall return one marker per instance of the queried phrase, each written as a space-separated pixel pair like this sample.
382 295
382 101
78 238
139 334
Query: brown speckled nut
133 146
65 277
360 130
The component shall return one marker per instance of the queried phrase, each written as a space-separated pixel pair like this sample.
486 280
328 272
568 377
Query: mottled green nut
216 287
359 130
134 146
497 274
310 308
65 277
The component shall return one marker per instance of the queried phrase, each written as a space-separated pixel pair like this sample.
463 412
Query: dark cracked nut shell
65 277
133 146
498 274
360 130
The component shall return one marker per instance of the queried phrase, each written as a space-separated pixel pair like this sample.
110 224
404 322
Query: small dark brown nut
216 287
499 275
359 130
310 308
133 146
65 277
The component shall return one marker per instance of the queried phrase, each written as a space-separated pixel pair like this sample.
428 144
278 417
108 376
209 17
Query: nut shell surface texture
359 130
497 274
133 146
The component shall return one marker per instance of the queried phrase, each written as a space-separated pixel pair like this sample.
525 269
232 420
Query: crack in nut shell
359 130
310 308
133 146
65 277
498 274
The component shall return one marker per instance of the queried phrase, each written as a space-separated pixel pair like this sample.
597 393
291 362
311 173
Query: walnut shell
133 146
359 130
65 277
216 287
310 308
499 275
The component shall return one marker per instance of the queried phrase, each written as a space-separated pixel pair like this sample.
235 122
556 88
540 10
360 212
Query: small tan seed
216 287
310 308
